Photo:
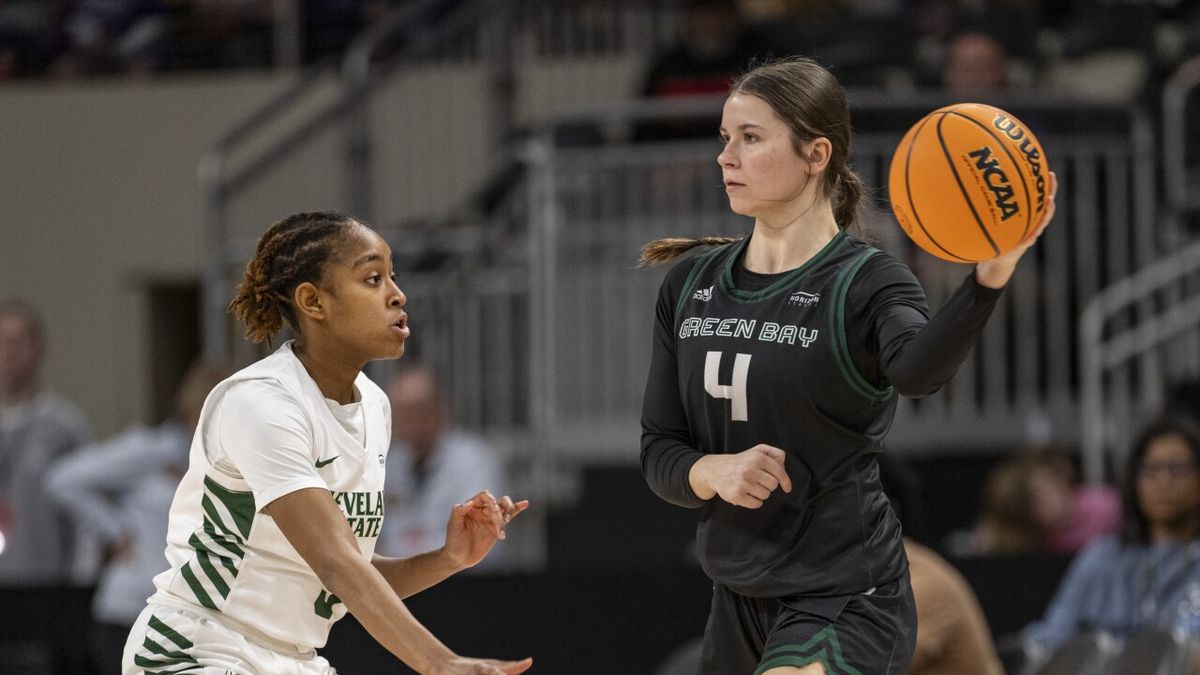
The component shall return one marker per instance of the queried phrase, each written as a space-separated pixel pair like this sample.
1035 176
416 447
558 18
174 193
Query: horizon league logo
995 178
703 294
804 299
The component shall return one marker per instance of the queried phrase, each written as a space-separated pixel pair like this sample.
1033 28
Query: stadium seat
1086 654
1153 652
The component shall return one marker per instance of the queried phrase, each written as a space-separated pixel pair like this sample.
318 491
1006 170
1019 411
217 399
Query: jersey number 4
735 391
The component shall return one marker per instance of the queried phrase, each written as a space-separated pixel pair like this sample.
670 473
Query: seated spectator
975 63
713 47
115 36
431 466
1149 576
952 633
37 543
122 488
1033 504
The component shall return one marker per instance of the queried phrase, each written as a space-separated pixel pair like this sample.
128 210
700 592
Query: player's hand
745 479
996 272
476 525
460 665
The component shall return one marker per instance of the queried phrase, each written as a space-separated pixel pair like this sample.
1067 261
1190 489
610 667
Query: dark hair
26 310
1135 529
291 252
813 104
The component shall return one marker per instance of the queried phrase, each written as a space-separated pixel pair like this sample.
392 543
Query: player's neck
773 248
333 374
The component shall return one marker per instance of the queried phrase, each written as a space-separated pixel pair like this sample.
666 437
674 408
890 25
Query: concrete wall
98 197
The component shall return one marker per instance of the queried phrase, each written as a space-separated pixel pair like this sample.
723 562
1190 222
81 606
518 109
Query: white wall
98 194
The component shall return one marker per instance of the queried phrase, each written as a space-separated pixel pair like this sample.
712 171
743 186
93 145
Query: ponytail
667 249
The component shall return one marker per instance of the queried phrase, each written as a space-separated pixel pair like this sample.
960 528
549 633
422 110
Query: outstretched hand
476 525
996 272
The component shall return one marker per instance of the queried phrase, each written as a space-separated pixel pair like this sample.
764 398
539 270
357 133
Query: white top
122 489
264 433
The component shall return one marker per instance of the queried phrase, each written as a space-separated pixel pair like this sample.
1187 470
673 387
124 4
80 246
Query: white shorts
169 640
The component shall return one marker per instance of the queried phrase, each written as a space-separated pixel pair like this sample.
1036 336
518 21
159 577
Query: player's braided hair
289 253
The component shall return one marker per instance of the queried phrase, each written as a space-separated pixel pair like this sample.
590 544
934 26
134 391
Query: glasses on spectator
1172 469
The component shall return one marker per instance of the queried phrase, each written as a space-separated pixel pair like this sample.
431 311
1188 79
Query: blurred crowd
1103 48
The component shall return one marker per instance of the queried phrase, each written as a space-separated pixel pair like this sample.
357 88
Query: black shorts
862 634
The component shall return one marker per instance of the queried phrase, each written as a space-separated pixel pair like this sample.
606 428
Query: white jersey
264 433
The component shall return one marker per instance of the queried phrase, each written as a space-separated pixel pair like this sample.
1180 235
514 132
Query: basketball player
273 527
777 359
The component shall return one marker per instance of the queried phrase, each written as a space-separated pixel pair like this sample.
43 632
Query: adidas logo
803 299
703 295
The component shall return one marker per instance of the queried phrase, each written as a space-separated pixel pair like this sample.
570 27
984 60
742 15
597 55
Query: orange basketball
968 182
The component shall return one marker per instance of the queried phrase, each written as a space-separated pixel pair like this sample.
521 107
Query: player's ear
817 153
307 301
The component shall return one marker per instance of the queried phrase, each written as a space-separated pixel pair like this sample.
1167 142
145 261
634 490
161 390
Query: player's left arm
473 529
996 272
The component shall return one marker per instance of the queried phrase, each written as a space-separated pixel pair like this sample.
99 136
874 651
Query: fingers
511 667
777 466
497 512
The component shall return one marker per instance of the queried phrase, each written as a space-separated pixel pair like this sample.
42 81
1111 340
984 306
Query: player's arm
667 450
317 529
473 529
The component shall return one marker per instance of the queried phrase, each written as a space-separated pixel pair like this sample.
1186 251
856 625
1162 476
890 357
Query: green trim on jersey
702 261
153 654
786 281
218 548
239 504
837 324
824 647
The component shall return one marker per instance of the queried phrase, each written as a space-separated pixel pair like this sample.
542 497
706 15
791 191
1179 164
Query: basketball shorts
863 634
169 640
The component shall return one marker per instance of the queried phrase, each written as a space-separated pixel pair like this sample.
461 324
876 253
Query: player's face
19 350
366 308
763 172
1168 481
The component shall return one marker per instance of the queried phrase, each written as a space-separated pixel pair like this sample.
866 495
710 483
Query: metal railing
415 119
1161 345
592 208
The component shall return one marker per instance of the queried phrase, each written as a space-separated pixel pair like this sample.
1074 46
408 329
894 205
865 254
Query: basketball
968 182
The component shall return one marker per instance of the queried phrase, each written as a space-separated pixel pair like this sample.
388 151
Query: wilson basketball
968 182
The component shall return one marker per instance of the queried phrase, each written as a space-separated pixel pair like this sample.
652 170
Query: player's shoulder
876 265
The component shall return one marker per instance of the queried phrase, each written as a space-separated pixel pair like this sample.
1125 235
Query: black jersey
804 361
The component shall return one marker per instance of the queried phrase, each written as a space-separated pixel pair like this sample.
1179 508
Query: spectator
1033 504
37 543
713 47
122 489
431 466
975 63
115 36
952 633
1149 577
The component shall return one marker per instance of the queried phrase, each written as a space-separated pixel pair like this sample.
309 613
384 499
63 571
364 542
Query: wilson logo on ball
1029 148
